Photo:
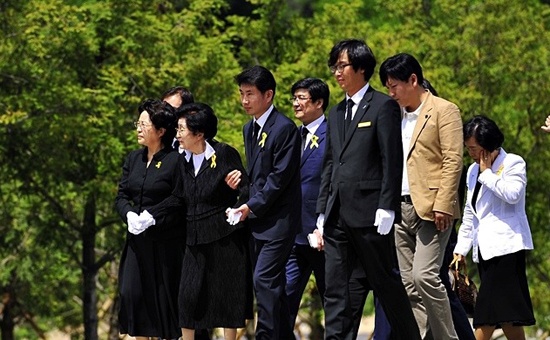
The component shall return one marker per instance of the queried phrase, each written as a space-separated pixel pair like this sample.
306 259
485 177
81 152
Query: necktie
305 131
255 133
348 115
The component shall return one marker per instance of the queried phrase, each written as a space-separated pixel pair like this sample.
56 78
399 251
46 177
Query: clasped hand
139 223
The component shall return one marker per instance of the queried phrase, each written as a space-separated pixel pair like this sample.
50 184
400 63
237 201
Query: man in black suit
272 145
360 194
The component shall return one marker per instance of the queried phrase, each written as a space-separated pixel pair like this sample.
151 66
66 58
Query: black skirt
216 286
149 278
504 293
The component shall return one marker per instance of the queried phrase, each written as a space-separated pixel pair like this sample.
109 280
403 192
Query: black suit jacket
364 168
206 196
274 172
142 187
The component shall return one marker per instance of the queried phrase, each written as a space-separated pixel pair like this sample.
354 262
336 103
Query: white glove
133 221
384 220
320 223
146 219
233 217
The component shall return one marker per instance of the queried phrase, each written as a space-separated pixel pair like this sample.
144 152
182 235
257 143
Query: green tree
72 73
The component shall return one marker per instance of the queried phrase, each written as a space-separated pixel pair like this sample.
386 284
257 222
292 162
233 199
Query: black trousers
376 254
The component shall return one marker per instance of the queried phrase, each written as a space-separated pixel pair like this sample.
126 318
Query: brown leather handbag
464 288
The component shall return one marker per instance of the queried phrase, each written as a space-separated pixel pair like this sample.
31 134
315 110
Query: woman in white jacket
495 226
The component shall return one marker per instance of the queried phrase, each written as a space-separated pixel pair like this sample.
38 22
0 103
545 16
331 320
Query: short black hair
258 76
163 116
359 53
185 95
199 117
428 86
317 89
485 131
400 66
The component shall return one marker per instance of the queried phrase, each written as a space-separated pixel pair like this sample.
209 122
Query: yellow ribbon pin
213 164
159 163
499 171
262 141
314 143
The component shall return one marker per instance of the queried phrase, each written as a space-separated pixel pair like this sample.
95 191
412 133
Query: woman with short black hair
150 266
495 225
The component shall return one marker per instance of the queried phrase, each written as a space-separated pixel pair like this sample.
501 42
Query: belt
406 199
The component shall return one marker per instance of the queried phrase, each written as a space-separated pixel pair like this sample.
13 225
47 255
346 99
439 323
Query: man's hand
244 210
442 220
320 241
233 179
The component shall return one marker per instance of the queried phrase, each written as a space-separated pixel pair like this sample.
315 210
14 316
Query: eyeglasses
299 98
340 68
180 130
142 125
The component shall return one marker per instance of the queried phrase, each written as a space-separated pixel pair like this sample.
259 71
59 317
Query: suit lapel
472 180
248 144
189 166
205 164
363 107
495 168
423 117
321 132
255 147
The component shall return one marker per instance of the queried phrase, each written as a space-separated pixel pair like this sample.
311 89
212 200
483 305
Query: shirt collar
208 152
414 113
313 126
263 118
359 94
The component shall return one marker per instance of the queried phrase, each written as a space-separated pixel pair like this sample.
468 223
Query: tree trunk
6 323
89 271
113 320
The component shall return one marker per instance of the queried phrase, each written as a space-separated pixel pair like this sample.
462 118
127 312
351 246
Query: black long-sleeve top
141 187
206 195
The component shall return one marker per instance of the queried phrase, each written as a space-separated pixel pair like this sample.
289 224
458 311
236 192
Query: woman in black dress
150 266
216 284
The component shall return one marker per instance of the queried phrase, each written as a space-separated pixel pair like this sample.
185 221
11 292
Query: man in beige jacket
432 148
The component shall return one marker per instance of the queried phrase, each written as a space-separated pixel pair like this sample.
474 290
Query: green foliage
72 73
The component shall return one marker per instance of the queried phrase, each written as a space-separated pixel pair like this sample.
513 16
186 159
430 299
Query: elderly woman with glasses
495 226
150 266
216 276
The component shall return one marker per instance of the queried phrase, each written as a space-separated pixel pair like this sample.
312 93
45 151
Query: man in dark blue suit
360 194
272 146
310 98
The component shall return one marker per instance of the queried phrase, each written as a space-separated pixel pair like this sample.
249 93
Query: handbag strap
460 267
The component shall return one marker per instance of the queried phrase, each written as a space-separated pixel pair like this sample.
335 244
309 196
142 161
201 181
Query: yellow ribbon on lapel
314 142
159 163
499 171
213 163
262 141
